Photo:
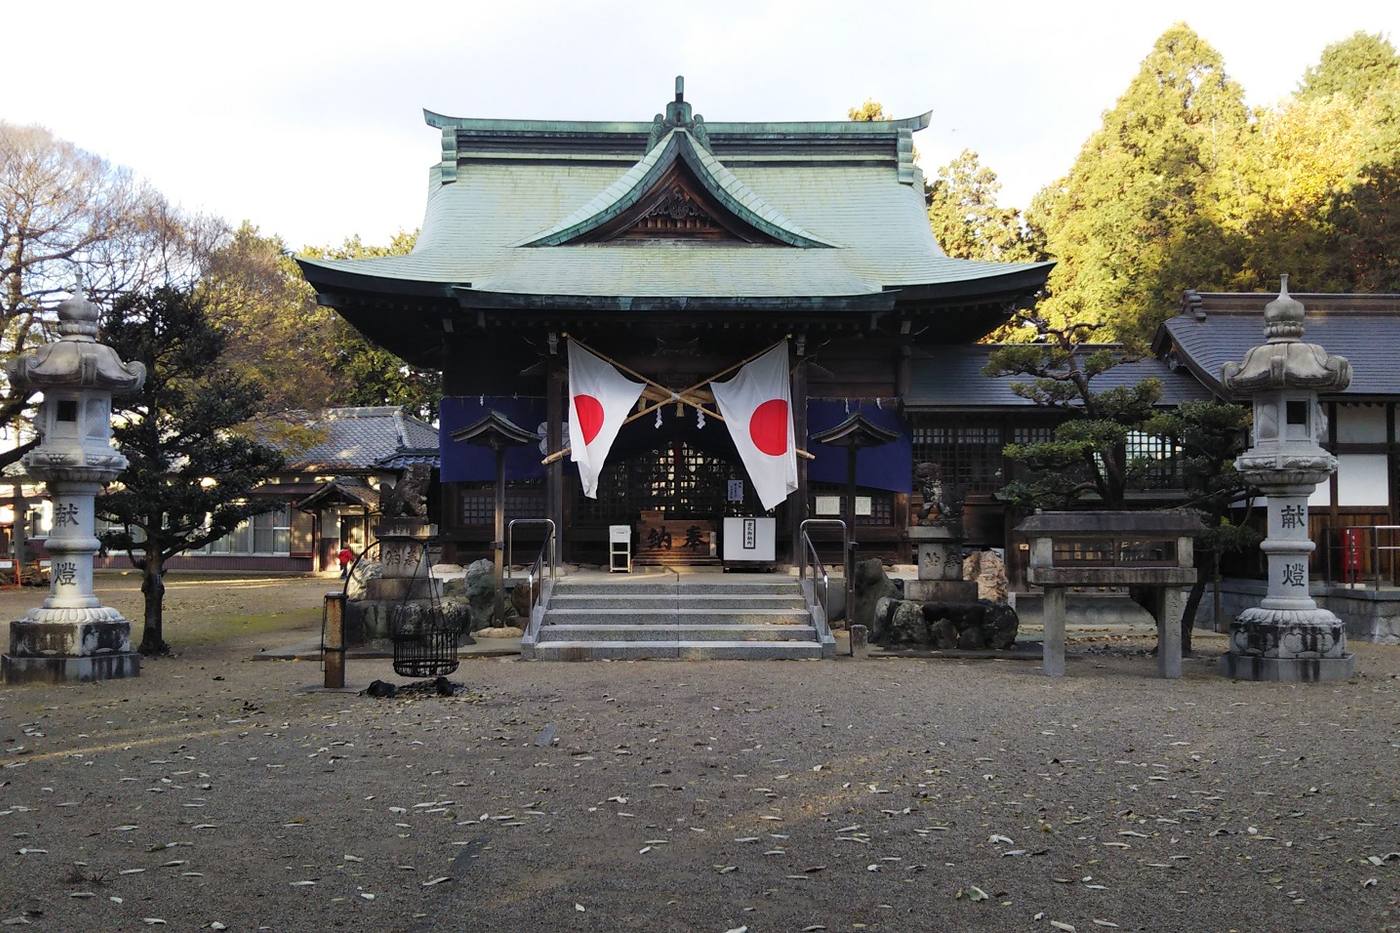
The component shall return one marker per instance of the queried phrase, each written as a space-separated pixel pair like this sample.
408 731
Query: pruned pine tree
191 470
1087 456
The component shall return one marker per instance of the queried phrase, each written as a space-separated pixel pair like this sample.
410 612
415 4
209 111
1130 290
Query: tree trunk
153 588
1188 616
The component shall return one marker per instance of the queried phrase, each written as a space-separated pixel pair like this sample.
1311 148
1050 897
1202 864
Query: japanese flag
757 407
599 399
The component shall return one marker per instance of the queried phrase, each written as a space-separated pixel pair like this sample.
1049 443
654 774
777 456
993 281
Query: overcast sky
306 117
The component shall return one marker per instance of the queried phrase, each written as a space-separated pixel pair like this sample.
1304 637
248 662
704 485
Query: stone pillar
72 636
1287 637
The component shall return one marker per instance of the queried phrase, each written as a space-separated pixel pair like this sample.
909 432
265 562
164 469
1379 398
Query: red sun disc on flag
768 427
590 416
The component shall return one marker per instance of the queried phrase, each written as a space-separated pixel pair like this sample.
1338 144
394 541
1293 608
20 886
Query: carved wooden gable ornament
678 191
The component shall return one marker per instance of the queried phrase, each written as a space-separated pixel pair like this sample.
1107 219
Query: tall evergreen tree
967 221
1145 211
191 470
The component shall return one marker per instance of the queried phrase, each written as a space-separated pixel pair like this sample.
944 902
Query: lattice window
1032 434
679 480
1159 456
523 500
967 455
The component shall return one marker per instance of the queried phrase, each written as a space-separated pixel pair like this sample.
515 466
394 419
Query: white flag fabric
757 407
599 399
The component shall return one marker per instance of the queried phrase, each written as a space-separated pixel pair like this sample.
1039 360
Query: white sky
305 117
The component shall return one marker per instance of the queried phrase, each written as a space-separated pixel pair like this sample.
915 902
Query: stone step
628 601
681 632
727 587
674 616
681 650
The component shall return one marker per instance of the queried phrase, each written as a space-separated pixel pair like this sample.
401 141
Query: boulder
880 621
480 592
500 631
456 612
943 634
907 625
365 571
989 570
871 585
980 625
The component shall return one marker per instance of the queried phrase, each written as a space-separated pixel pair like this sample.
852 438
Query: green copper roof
842 200
677 146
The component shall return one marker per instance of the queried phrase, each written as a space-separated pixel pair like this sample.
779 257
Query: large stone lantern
72 636
1287 637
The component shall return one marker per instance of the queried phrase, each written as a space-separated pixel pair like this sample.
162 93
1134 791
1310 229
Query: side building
326 496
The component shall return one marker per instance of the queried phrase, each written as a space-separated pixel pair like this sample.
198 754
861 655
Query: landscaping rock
989 570
871 585
480 591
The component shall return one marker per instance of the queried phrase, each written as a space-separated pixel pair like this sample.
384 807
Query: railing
1374 556
547 557
818 591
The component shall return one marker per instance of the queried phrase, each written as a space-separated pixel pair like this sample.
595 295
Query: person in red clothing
345 557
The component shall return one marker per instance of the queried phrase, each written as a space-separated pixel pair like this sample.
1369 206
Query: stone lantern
1287 637
72 636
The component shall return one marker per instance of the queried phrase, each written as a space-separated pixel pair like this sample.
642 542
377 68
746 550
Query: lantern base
57 670
1288 670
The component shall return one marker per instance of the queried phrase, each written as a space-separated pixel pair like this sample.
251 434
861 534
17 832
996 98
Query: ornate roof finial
1283 317
77 317
678 115
1283 361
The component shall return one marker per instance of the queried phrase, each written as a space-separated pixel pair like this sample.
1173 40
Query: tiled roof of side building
951 378
361 438
1218 328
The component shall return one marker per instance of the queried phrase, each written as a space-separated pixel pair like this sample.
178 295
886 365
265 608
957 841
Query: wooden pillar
498 544
848 559
1052 662
333 648
797 503
557 385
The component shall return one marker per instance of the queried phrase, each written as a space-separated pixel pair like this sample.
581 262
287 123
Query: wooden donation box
1151 550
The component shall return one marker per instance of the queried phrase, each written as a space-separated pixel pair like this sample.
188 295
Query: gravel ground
892 795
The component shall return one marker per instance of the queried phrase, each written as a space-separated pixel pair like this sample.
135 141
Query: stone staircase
675 617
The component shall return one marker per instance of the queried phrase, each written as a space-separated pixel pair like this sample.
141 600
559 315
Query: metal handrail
819 571
536 569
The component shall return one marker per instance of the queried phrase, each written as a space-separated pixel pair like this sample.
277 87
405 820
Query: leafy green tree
1208 436
1354 67
967 221
191 469
373 375
1087 456
301 355
1146 209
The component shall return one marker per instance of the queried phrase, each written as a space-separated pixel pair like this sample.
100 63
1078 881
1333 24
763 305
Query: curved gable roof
678 147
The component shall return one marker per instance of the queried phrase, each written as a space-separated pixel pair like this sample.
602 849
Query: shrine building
676 247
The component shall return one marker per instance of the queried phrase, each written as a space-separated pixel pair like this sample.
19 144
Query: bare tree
70 219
